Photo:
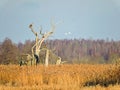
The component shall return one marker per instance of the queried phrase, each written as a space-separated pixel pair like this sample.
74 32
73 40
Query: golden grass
116 87
63 77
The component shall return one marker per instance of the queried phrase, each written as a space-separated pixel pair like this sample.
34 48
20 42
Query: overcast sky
96 19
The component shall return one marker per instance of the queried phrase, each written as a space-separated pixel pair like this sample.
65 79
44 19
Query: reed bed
62 77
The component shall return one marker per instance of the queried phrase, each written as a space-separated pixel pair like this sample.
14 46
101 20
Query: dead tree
38 41
47 58
48 52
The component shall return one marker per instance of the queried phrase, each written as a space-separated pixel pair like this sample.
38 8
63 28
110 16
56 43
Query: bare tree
38 41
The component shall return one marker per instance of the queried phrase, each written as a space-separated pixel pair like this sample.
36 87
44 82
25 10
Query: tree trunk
47 58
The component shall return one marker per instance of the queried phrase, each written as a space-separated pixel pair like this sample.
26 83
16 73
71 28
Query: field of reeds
62 77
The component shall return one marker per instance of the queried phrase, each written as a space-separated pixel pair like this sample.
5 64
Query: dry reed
63 77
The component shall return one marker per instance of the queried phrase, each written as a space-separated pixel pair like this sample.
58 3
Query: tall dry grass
63 77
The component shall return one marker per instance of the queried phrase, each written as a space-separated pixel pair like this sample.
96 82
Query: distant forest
72 51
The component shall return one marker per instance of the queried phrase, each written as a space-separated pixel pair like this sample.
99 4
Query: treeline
10 52
72 51
87 51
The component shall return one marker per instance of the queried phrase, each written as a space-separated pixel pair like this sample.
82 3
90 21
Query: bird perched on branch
30 25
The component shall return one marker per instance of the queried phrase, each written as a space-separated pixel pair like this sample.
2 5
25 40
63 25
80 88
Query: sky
95 19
